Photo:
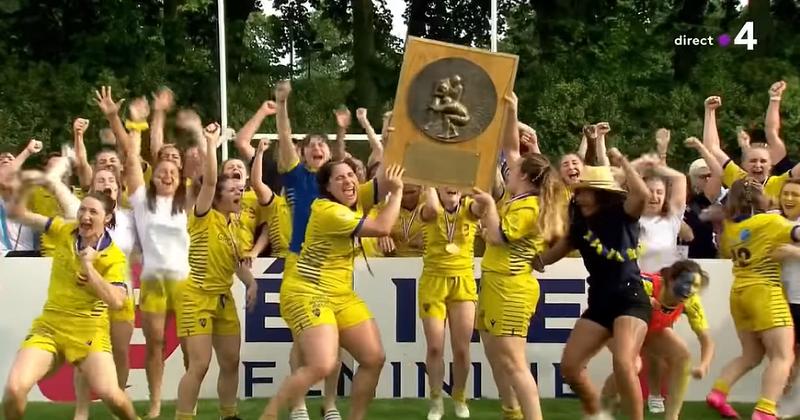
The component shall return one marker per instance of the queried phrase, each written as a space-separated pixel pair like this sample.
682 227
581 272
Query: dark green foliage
580 61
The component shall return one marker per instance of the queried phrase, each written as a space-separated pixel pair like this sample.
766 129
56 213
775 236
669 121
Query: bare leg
586 339
363 342
29 367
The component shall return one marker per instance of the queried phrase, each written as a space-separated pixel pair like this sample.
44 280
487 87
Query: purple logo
724 40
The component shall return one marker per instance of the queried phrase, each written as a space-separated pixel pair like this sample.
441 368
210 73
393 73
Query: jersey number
741 257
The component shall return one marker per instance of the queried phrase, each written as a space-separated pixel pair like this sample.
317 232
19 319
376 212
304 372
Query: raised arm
53 180
600 150
263 191
163 101
772 122
662 144
111 109
710 133
490 218
34 146
343 120
382 224
375 145
527 136
18 206
432 207
638 193
287 154
205 198
511 132
714 184
677 188
245 135
82 165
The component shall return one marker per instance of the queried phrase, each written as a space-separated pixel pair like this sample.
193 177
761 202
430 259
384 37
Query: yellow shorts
506 304
306 310
759 307
157 296
126 314
203 313
436 292
68 343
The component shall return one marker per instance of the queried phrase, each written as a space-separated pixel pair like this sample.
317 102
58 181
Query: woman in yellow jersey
447 291
88 276
534 214
673 291
756 160
406 238
273 211
124 236
207 317
758 306
317 297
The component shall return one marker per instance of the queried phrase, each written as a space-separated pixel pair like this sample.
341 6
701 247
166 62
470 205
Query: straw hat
598 178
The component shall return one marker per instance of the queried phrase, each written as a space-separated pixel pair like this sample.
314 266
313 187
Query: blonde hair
553 220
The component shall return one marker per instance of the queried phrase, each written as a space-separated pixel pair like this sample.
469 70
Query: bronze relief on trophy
449 114
452 100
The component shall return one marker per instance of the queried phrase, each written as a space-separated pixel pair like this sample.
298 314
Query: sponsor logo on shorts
316 312
202 322
426 307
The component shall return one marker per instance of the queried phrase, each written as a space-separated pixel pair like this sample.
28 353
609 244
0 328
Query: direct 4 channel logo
745 37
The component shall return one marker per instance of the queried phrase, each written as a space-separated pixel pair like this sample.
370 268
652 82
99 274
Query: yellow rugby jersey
43 202
248 214
436 260
326 260
216 246
692 308
750 242
66 297
522 239
278 219
772 187
407 234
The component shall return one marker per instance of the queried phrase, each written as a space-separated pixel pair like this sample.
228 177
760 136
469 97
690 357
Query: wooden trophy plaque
449 114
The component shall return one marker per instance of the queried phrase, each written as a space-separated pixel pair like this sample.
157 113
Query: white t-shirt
124 233
659 237
20 237
164 238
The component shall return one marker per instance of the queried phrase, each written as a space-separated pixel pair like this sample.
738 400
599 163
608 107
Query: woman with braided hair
758 306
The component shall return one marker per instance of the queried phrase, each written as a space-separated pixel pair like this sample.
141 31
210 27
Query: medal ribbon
451 224
406 223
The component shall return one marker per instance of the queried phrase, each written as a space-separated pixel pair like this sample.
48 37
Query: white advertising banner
392 297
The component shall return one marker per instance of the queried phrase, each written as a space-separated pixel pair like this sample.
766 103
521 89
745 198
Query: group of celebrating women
186 227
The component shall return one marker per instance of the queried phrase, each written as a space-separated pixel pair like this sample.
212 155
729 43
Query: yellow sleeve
147 171
693 308
780 226
197 222
466 210
518 221
732 173
57 227
775 184
337 219
368 194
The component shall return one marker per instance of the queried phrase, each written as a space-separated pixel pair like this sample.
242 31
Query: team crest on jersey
745 235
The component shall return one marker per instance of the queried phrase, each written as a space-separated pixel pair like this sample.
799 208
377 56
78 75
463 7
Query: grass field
409 409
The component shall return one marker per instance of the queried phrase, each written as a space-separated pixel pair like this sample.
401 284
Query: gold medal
452 249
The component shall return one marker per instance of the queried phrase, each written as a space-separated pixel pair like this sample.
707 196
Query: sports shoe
760 415
332 414
299 414
655 403
718 401
461 409
603 415
436 412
